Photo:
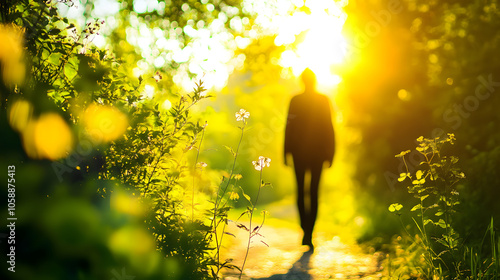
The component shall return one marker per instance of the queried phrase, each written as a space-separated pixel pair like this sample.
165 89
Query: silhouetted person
310 140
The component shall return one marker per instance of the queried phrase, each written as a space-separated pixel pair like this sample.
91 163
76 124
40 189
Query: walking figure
310 140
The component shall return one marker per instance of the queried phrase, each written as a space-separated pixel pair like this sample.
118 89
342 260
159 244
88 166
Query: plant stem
218 199
250 230
194 171
234 161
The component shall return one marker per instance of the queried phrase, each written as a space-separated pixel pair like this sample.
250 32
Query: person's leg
307 208
299 176
314 189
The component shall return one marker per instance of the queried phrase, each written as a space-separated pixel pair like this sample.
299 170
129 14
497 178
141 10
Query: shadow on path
284 258
299 270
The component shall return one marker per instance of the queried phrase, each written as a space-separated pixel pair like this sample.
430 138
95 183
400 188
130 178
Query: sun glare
309 30
312 37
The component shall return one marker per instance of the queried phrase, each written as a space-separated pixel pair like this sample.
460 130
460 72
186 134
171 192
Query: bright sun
312 37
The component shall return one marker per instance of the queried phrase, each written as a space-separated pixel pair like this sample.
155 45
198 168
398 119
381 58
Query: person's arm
289 133
329 132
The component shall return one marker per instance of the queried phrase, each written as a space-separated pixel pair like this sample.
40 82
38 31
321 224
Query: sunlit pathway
284 259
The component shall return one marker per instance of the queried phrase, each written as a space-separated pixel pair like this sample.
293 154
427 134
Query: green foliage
116 205
405 259
180 240
434 184
437 200
482 267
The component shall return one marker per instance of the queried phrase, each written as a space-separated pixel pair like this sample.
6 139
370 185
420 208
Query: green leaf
244 212
70 71
230 150
439 213
242 226
402 153
54 58
54 31
441 223
443 242
418 182
416 207
247 197
395 207
403 176
419 174
433 206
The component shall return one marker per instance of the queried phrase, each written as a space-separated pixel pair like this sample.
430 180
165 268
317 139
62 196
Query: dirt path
286 259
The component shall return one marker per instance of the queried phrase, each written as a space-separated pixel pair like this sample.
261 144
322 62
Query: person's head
309 78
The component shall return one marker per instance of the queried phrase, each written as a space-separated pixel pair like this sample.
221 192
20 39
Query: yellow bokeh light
53 136
138 246
124 203
29 140
11 54
48 137
404 95
20 114
104 123
132 241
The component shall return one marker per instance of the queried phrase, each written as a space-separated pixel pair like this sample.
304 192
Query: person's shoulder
297 98
323 98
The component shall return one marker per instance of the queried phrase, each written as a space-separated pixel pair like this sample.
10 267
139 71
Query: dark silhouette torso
309 135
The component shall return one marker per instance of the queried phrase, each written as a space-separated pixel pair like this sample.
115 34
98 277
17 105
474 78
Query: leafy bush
109 181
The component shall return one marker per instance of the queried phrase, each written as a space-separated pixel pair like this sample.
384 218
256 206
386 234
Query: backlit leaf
395 207
441 223
416 207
